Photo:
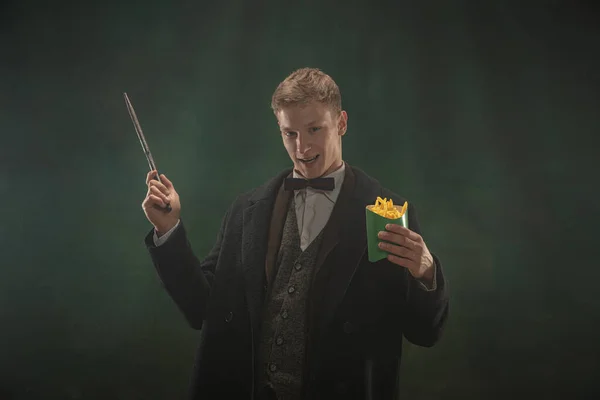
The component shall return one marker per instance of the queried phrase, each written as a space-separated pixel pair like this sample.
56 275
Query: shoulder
267 190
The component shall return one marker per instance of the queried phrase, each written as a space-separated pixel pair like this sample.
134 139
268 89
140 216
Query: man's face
312 135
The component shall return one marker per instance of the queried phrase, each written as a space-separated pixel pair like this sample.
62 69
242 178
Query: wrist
428 274
163 229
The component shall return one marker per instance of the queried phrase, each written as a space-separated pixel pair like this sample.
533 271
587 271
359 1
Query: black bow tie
317 183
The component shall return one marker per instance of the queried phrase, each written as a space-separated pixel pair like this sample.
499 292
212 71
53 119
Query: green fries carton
380 214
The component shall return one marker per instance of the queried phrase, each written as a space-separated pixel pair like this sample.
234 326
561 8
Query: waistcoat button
229 317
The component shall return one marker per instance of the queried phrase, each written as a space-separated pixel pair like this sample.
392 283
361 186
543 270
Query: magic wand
140 134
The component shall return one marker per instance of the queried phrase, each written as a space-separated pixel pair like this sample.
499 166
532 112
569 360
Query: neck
334 167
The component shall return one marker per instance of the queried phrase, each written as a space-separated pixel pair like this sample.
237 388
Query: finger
398 239
150 176
399 229
398 251
403 262
155 191
154 200
166 181
160 186
147 203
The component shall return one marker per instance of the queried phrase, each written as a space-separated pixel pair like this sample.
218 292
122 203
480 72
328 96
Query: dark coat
358 311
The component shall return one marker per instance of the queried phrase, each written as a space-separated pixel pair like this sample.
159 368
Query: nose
302 143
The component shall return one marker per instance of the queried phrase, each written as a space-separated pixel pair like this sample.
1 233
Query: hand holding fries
158 196
390 237
407 249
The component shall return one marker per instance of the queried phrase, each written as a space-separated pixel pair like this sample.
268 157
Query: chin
310 171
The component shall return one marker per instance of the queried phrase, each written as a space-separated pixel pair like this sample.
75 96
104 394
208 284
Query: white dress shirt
313 207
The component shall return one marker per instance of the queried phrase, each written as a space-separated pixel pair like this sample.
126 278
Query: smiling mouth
308 160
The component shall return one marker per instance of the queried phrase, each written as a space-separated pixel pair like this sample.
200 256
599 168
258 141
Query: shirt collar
338 177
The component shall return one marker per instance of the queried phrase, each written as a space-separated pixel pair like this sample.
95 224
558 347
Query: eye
289 134
315 129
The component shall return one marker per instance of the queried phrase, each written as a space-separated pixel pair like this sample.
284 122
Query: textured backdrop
484 116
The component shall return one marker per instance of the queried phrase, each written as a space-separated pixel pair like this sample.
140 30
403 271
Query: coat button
229 317
273 367
291 290
348 327
279 341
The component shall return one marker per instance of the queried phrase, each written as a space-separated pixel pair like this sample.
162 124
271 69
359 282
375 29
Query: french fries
386 208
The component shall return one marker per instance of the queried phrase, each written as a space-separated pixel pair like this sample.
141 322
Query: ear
342 123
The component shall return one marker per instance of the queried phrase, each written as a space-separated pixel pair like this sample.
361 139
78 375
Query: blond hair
305 85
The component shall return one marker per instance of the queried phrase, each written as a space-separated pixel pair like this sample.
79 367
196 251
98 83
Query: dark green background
484 114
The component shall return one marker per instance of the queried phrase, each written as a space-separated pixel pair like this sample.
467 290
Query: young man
289 305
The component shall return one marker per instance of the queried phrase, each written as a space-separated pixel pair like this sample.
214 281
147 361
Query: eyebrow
286 128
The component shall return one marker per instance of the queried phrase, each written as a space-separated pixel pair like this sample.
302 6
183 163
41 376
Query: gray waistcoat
282 348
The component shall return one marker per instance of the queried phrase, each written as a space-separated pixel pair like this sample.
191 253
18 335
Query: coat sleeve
187 279
426 310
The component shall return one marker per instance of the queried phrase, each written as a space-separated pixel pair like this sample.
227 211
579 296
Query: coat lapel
344 244
278 218
255 232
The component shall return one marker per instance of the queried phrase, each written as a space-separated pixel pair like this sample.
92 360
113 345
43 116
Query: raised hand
156 200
